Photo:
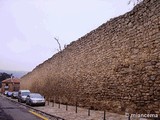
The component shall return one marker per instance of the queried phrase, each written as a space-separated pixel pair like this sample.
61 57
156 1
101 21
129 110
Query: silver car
22 94
35 99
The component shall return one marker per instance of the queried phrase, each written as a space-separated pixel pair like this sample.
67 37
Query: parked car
35 99
9 94
14 95
22 94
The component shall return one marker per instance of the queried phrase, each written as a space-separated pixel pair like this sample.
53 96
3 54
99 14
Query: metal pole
48 101
129 117
104 115
53 104
59 103
89 112
76 107
66 106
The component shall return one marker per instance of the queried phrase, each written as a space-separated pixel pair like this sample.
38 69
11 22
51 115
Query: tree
4 76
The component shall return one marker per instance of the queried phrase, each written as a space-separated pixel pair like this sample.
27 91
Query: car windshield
25 93
35 96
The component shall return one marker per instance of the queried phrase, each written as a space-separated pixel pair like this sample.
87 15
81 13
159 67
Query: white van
22 94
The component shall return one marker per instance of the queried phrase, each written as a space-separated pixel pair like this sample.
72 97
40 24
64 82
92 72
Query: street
14 111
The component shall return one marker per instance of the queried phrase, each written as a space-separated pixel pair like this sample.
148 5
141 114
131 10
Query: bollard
59 102
104 118
89 112
66 106
48 101
76 107
53 104
59 105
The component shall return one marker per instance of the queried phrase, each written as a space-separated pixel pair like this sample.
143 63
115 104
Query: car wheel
30 103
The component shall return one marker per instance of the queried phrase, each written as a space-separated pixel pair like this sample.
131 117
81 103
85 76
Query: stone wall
114 67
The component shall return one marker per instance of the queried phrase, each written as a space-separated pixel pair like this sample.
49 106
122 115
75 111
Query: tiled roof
10 80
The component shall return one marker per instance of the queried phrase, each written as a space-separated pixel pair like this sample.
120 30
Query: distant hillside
17 74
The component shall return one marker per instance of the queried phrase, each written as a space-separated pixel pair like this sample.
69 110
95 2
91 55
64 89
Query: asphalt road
13 111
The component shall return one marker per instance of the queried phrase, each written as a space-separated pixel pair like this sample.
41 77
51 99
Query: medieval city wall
115 67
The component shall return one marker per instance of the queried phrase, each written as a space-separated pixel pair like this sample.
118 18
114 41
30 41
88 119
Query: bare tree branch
60 49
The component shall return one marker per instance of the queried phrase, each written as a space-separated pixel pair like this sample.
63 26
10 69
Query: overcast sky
28 27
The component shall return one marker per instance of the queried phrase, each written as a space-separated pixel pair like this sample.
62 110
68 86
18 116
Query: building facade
10 84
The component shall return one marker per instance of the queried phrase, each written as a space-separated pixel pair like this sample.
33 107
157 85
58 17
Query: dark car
35 99
9 94
14 95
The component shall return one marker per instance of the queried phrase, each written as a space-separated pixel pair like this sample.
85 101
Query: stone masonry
115 67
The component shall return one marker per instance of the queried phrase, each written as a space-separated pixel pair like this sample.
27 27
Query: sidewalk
82 114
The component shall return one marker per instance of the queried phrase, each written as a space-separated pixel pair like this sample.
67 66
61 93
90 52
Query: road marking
38 115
